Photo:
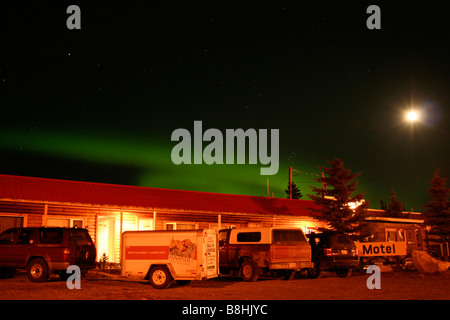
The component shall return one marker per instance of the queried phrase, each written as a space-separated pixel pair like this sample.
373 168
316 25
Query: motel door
106 238
414 238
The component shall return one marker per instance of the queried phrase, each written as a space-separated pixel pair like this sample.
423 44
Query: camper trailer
163 256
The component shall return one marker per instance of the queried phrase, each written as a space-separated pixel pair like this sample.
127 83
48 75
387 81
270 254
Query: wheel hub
36 270
159 277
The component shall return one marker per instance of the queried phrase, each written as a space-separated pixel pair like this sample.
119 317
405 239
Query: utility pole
324 185
290 182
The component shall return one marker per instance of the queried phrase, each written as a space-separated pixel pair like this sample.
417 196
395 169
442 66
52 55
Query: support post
120 238
44 222
290 182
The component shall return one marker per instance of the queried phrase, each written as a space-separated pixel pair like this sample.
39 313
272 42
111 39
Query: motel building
107 210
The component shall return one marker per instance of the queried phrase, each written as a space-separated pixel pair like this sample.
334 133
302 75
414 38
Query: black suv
333 252
45 251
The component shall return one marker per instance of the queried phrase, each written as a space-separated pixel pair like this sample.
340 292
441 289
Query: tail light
66 254
331 252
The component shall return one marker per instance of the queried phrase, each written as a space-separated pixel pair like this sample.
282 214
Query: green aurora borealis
99 104
152 166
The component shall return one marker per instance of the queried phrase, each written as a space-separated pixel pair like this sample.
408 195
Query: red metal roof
89 193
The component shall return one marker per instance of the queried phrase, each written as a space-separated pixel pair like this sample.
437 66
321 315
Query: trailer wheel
249 270
160 277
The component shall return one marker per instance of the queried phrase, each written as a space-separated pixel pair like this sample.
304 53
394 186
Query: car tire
344 273
314 273
249 270
37 270
160 277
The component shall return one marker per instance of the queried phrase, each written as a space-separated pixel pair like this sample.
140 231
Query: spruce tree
296 194
337 190
437 214
394 208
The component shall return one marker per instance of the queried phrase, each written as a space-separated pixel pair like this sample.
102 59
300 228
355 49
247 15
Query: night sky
100 104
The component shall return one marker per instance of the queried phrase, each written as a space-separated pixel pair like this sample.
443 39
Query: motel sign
373 249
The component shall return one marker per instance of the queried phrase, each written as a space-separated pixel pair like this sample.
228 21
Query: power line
304 172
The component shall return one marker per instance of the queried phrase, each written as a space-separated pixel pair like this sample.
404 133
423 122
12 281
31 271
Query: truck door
7 245
23 247
223 247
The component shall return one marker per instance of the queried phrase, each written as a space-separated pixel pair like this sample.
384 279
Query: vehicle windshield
341 240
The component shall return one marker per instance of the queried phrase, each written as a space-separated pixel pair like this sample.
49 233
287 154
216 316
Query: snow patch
424 263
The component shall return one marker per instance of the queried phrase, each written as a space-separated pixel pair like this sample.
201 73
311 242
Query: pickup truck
45 251
247 252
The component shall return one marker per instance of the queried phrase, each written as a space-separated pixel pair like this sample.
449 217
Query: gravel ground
97 286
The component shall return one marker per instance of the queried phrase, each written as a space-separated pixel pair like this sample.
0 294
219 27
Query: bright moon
412 116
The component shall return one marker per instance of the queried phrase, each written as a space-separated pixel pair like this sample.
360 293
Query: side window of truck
249 236
25 237
222 237
51 236
8 237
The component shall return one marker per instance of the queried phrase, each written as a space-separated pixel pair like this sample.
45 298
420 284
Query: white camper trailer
163 256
